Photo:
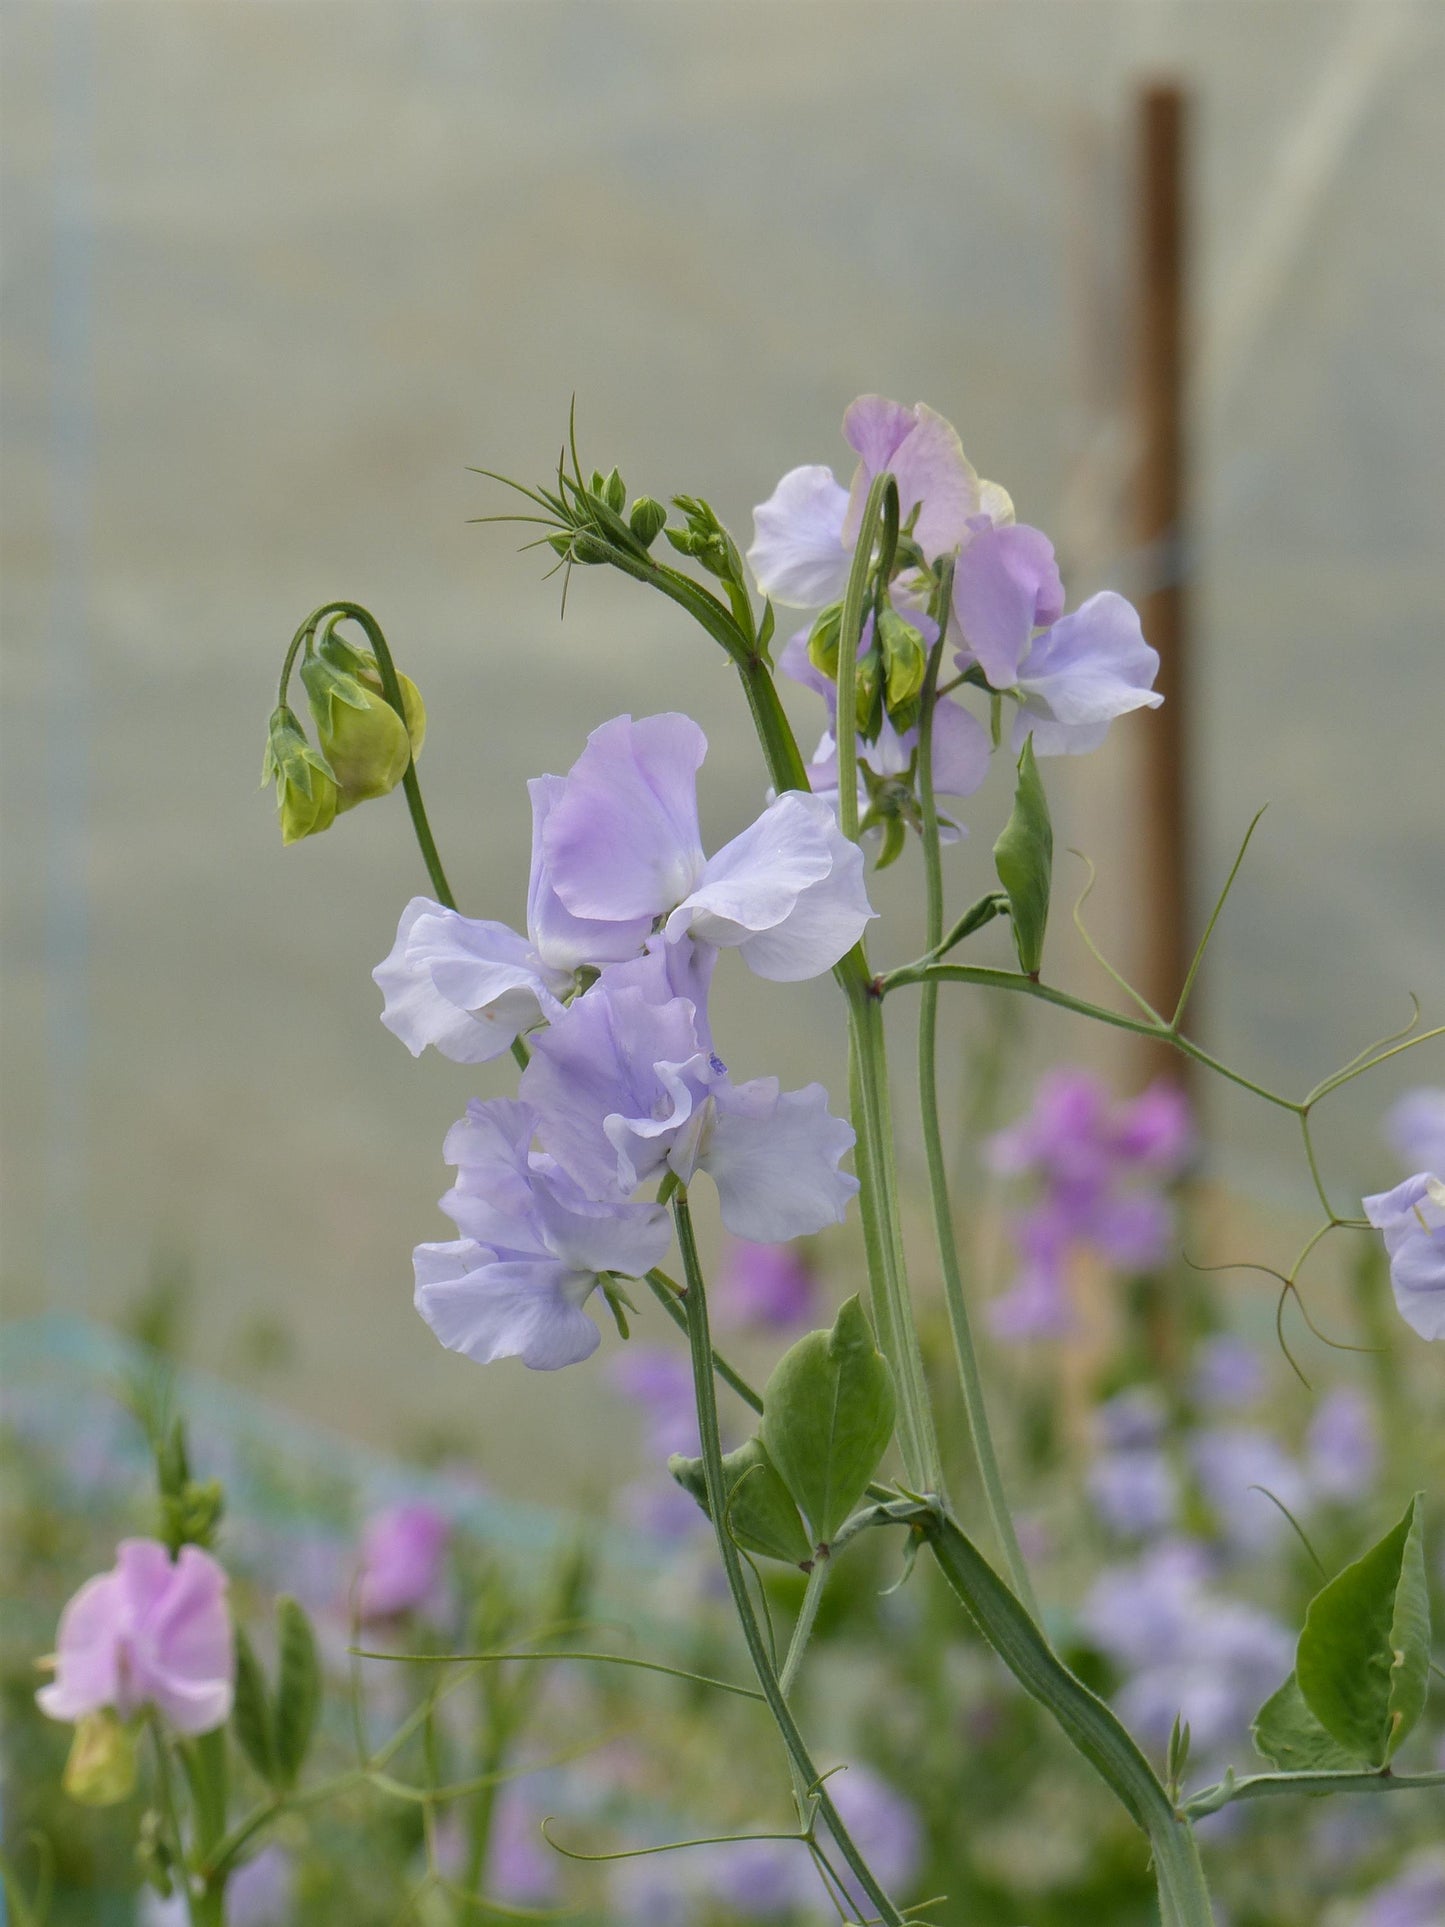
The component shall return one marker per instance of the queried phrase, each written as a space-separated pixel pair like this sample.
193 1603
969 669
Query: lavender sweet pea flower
1236 1466
532 1250
625 1087
805 533
150 1632
660 1382
1227 1374
403 1551
1415 1129
1135 1493
466 986
1412 1218
1415 1899
622 841
1072 674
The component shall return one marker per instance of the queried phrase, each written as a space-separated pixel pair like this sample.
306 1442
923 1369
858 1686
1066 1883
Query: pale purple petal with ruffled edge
612 1079
467 987
962 749
564 942
1412 1219
788 893
1006 584
774 1157
621 837
1089 668
488 1307
151 1632
926 458
797 555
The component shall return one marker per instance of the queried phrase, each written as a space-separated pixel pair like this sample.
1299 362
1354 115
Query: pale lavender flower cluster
1100 1169
1412 1215
1068 675
626 916
403 1560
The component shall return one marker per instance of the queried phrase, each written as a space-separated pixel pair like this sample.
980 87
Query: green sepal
306 790
828 1417
251 1713
1289 1736
905 663
298 1690
760 1512
895 836
1363 1660
1024 859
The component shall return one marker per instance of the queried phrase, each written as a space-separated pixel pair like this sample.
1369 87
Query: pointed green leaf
251 1714
828 1417
1289 1736
760 1512
1024 859
298 1690
1363 1662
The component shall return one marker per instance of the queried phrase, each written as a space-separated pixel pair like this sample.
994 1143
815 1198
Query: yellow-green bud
306 792
101 1770
365 742
647 520
823 641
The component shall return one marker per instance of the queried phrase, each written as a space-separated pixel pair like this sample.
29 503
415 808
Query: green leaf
298 1690
1289 1736
1363 1662
1024 859
251 1715
760 1511
828 1417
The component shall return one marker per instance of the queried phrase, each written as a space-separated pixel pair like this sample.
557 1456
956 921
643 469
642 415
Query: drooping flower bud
306 792
368 746
101 1769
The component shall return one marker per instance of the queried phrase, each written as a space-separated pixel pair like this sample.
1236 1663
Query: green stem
924 972
1262 1786
391 689
707 1422
964 1351
807 1614
208 1907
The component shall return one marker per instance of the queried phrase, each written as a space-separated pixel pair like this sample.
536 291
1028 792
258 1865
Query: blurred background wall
274 275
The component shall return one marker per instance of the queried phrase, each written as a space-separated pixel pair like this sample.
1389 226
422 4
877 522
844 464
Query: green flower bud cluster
364 747
889 675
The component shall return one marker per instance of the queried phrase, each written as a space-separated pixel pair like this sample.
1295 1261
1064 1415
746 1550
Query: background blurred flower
771 1287
403 1553
1342 1446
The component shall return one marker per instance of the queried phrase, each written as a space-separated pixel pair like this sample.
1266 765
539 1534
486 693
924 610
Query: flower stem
807 1614
964 1352
804 1770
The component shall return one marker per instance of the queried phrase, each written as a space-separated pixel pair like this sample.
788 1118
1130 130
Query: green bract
1024 859
760 1513
828 1418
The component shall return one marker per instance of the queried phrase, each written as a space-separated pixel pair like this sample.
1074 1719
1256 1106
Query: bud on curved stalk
368 746
306 792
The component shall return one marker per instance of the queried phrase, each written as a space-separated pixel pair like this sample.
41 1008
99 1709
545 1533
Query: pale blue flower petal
797 555
774 1157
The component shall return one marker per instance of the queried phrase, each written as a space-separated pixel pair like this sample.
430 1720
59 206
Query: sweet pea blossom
1098 1166
805 533
626 1086
403 1550
150 1632
532 1250
622 841
1412 1218
771 1287
469 986
1072 674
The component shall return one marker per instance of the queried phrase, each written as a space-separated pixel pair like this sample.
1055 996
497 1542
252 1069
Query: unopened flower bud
905 660
368 746
101 1769
823 641
647 520
306 792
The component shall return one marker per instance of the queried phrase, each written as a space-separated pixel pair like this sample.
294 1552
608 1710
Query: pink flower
402 1551
151 1632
